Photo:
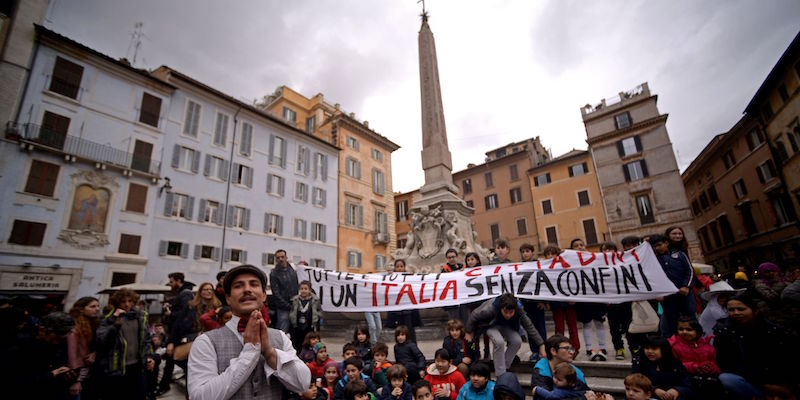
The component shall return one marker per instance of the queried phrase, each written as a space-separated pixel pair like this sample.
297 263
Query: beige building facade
566 201
639 180
366 232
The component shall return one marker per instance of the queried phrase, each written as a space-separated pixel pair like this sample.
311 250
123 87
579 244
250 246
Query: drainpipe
228 192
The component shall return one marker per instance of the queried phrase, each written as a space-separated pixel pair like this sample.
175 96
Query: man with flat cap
245 359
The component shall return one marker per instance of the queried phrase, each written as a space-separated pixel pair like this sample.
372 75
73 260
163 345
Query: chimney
366 124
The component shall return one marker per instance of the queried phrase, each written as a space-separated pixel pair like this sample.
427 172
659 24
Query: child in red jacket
320 362
693 350
444 377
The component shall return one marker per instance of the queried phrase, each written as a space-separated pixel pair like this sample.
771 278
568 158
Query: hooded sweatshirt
699 357
508 383
452 380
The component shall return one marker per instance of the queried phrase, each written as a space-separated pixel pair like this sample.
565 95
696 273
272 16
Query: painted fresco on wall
89 209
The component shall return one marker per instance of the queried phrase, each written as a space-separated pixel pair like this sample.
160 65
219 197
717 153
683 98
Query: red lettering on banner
374 294
422 298
470 272
386 293
538 264
586 262
407 290
605 256
636 256
447 287
496 269
561 260
516 267
618 255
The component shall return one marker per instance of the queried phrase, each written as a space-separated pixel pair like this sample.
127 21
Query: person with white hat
716 296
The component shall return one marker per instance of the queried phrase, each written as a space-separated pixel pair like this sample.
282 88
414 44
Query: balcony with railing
49 140
620 98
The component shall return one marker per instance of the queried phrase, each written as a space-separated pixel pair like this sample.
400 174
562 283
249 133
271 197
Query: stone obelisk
439 218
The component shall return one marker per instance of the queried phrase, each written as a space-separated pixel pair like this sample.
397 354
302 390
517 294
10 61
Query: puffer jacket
486 316
699 358
111 344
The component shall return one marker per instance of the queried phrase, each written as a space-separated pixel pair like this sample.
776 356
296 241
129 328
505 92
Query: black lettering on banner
572 277
591 282
616 280
507 288
644 279
603 274
526 276
541 276
477 287
628 276
490 284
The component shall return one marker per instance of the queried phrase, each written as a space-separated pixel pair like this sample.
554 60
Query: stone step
599 369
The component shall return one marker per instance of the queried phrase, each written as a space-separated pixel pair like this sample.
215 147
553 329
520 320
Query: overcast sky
509 70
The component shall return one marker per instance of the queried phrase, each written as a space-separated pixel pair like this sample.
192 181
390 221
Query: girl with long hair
80 341
204 301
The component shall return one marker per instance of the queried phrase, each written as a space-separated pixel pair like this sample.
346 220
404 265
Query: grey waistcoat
227 346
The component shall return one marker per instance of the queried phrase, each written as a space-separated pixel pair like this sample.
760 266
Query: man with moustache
245 359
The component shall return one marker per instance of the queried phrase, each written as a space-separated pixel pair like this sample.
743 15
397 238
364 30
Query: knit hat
319 346
768 267
740 276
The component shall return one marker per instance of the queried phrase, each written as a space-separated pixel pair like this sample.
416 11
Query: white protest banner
571 276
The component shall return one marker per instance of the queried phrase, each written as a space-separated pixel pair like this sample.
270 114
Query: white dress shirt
205 383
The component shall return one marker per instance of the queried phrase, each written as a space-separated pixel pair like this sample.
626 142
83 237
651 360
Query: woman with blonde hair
80 341
204 301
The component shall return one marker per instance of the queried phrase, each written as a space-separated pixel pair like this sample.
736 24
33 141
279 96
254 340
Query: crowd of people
712 339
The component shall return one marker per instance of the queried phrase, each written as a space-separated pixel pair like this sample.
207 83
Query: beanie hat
740 275
319 346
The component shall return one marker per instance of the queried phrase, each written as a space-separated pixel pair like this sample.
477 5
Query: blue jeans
283 321
738 387
374 323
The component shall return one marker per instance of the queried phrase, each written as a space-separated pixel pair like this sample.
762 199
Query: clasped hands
256 333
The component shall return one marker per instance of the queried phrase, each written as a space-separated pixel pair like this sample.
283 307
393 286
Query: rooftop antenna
424 14
136 41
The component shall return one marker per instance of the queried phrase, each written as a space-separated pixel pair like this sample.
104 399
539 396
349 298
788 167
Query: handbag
643 318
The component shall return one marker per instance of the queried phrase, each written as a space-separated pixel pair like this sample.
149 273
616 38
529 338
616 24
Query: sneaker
589 354
620 354
602 355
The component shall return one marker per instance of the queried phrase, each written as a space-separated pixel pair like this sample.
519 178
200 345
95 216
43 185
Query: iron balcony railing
82 148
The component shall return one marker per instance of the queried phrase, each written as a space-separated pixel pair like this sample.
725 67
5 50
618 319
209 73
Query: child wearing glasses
559 350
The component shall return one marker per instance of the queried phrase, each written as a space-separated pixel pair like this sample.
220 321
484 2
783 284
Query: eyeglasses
567 348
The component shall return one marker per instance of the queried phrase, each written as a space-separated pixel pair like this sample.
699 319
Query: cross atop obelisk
436 159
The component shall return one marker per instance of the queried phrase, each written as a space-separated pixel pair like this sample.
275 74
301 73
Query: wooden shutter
190 208
201 212
151 110
195 161
644 168
267 222
207 166
271 149
626 173
176 155
638 143
620 149
246 222
198 249
168 204
162 247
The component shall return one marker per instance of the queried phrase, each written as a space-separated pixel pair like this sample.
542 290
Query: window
466 185
578 169
551 234
491 201
725 228
141 156
178 205
303 160
221 129
541 180
589 231
273 223
583 198
377 155
754 139
236 255
191 123
185 159
766 171
42 178
782 214
783 93
242 175
311 124
645 209
289 115
66 78
487 178
122 278
381 226
150 110
277 151
318 232
211 212
377 181
353 143
354 214
318 197
712 194
204 252
317 263
137 198
622 120
512 172
629 146
748 220
170 248
704 201
129 244
353 259
240 217
353 168
300 228
635 171
728 159
547 207
27 233
275 185
54 130
516 195
739 189
246 142
767 112
715 233
696 208
320 166
522 227
401 210
500 153
216 167
494 229
301 192
401 243
470 204
380 262
706 239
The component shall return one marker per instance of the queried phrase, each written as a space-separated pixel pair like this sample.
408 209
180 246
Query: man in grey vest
245 359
